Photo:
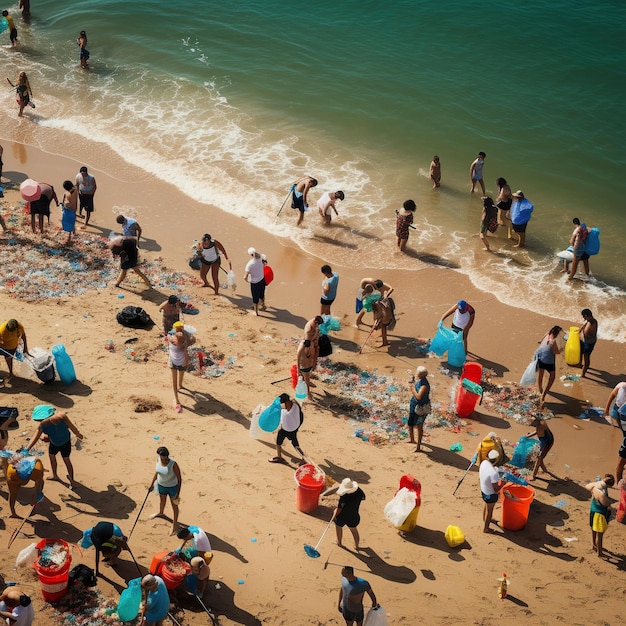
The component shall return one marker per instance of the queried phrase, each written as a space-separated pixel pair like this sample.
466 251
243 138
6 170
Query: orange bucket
515 510
310 480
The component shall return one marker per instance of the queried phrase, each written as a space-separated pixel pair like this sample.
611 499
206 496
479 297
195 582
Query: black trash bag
326 348
134 317
84 575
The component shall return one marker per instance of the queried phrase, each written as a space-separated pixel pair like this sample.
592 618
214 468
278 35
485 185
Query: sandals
178 408
276 459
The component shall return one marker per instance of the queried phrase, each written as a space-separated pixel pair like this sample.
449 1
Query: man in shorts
305 361
329 289
490 485
86 184
11 333
351 597
291 419
41 206
618 418
299 193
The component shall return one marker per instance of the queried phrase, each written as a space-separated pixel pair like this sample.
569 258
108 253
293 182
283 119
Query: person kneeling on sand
108 539
291 419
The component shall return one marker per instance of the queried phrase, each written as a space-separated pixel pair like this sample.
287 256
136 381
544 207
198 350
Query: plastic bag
522 451
456 351
231 281
128 607
376 617
27 556
270 417
528 377
442 340
454 536
255 431
397 510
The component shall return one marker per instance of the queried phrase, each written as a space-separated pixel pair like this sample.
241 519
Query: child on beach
12 29
69 205
600 510
435 172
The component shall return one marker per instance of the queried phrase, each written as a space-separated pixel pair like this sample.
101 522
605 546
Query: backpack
134 317
83 574
492 224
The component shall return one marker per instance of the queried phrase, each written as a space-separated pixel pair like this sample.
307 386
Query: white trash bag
397 510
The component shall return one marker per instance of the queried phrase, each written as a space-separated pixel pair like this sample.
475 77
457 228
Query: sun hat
347 486
251 251
518 194
493 455
30 190
42 412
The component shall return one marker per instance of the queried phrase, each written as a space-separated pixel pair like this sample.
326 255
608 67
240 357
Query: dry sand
231 491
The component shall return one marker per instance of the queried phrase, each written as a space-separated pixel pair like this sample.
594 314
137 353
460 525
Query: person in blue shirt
351 597
155 601
329 289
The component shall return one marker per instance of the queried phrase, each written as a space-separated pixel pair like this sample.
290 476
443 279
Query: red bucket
53 578
310 480
171 568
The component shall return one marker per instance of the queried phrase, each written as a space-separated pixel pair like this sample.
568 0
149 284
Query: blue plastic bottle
64 365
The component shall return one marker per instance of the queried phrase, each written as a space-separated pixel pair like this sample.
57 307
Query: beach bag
442 340
422 409
84 575
134 317
325 346
528 377
592 245
397 510
195 262
128 607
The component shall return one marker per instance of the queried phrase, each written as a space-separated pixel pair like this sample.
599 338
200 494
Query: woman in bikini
23 91
210 258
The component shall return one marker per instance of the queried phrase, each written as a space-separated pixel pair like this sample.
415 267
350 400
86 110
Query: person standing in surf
435 172
81 40
23 91
504 200
404 219
476 172
299 195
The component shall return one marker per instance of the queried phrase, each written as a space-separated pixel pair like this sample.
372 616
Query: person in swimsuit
435 172
169 482
41 206
126 249
546 361
504 200
326 203
383 288
600 510
347 511
178 340
312 333
69 206
305 361
476 172
16 607
546 441
12 29
23 91
488 216
299 195
578 242
588 338
210 258
81 40
171 310
617 416
404 219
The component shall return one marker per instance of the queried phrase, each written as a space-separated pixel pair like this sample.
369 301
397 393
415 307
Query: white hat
493 455
251 251
347 486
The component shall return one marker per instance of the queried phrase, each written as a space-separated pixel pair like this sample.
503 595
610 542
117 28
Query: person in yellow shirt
11 332
12 29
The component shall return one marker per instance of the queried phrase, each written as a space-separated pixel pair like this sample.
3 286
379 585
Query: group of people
300 199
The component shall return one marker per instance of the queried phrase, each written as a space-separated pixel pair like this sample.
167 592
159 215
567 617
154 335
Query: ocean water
234 101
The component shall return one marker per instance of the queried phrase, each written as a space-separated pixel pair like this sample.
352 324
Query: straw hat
347 486
518 194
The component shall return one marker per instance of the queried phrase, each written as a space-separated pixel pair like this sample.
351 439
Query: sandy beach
122 402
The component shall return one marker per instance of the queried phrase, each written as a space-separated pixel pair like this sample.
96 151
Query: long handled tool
374 327
138 514
17 532
207 610
312 551
469 467
285 201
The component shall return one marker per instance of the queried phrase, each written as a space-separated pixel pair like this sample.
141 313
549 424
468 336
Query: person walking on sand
351 597
546 361
87 187
255 275
81 40
617 416
503 201
419 407
11 333
299 195
108 539
347 511
178 340
16 607
462 320
210 257
126 249
41 206
329 289
488 221
326 203
56 426
546 441
171 311
169 482
69 206
490 486
476 172
435 172
23 92
521 210
599 510
404 219
588 338
291 418
12 29
305 362
130 227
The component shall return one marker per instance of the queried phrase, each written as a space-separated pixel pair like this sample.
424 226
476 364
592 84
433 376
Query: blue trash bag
25 466
270 417
128 607
86 541
522 450
456 351
442 340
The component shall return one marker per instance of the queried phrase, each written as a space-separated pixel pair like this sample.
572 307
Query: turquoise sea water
234 101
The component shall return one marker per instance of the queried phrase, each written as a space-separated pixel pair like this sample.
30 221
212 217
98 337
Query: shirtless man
384 289
326 202
305 363
299 194
16 607
312 333
588 337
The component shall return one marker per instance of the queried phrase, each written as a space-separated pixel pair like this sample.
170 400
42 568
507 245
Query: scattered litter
570 539
561 504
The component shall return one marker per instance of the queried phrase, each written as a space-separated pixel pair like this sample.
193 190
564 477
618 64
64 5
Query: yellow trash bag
490 442
454 536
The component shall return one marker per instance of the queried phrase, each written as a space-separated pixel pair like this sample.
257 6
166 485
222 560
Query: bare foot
54 478
410 441
418 450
